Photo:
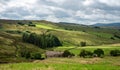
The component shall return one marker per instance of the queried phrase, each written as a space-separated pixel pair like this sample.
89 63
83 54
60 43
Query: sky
73 11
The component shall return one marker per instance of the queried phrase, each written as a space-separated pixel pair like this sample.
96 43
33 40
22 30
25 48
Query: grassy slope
68 37
76 50
106 63
7 47
92 37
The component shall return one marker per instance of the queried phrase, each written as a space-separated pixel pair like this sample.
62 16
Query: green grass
104 35
76 50
67 64
70 37
43 26
67 37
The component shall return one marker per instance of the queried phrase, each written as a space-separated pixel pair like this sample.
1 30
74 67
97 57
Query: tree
31 24
82 44
43 40
66 53
115 52
112 38
85 53
117 36
24 52
25 37
21 23
99 52
36 55
32 38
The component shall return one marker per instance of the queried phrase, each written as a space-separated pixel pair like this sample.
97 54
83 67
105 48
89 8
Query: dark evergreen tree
25 37
32 38
43 40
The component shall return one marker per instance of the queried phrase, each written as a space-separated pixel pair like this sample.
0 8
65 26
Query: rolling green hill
69 34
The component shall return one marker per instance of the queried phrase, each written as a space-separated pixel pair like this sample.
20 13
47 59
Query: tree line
42 40
88 54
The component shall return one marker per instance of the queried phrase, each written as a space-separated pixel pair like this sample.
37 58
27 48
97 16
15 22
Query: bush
20 23
31 24
14 31
82 44
115 52
24 53
99 52
112 38
85 53
117 36
66 53
36 55
97 27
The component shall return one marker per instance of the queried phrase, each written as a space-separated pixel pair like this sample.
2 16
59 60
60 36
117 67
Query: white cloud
53 18
88 2
56 1
111 2
75 11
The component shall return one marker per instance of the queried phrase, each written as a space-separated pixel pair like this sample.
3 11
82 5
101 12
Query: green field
107 63
76 50
70 35
75 63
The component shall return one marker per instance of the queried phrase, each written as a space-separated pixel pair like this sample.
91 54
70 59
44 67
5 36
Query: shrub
14 31
36 55
32 25
24 53
85 53
99 52
117 36
30 22
82 44
115 52
20 23
66 53
97 27
112 38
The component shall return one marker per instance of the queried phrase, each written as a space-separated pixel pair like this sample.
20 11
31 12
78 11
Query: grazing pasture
107 63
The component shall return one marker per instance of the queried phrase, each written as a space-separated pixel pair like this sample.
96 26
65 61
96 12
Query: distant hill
109 24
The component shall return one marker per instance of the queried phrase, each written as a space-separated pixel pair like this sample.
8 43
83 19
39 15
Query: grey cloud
63 11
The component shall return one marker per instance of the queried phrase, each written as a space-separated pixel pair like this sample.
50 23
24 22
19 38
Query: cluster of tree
31 24
115 52
43 40
97 27
85 53
117 36
112 38
26 53
66 53
21 23
28 23
1 25
96 53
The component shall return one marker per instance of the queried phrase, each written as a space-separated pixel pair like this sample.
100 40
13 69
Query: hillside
69 34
